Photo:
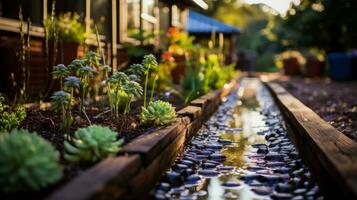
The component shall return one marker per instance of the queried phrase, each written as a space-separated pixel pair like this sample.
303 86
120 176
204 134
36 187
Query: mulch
335 102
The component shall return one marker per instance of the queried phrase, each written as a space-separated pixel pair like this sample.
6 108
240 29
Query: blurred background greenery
313 27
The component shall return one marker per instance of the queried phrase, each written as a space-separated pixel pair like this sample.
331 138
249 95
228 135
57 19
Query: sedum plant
10 118
27 162
92 144
158 113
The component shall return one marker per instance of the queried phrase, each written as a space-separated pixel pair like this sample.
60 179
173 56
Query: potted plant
292 60
66 35
315 64
340 66
179 44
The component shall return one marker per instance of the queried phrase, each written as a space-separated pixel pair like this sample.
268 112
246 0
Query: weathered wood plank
193 112
335 152
150 145
106 180
145 180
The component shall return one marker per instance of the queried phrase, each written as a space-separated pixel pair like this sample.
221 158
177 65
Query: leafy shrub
10 118
70 28
92 144
193 84
158 113
27 162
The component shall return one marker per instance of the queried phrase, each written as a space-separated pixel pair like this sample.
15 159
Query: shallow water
242 152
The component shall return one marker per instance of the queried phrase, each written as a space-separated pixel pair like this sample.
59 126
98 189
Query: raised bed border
133 174
331 155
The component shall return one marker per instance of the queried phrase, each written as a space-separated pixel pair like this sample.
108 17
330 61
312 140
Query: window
100 15
63 6
176 16
30 9
133 14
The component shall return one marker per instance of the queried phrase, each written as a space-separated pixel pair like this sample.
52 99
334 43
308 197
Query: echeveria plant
92 144
27 162
158 113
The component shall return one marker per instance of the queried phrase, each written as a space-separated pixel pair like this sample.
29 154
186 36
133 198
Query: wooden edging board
331 155
134 173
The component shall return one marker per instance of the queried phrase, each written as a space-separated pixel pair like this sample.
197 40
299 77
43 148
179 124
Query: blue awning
198 23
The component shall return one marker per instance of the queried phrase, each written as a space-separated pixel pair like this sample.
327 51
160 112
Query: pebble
208 172
231 184
262 190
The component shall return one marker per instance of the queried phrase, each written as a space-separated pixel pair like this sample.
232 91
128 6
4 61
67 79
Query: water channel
241 152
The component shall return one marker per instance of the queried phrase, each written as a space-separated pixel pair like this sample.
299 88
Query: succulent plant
10 117
92 59
92 144
116 84
27 162
132 89
59 72
158 113
76 65
149 63
136 69
72 82
62 102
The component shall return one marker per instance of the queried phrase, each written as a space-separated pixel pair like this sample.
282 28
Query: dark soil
47 124
335 102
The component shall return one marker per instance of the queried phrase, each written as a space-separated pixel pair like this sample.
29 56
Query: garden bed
133 173
335 102
331 155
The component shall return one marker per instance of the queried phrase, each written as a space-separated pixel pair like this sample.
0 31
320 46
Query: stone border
134 173
331 155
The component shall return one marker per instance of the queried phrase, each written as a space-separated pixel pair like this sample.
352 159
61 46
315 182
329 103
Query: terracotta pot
314 67
66 52
179 71
291 66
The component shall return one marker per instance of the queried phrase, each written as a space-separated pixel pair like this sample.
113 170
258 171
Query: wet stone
259 146
272 156
262 190
250 177
164 187
300 191
271 179
173 177
282 196
284 187
225 168
231 184
208 166
224 142
201 193
208 172
298 198
217 157
255 183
